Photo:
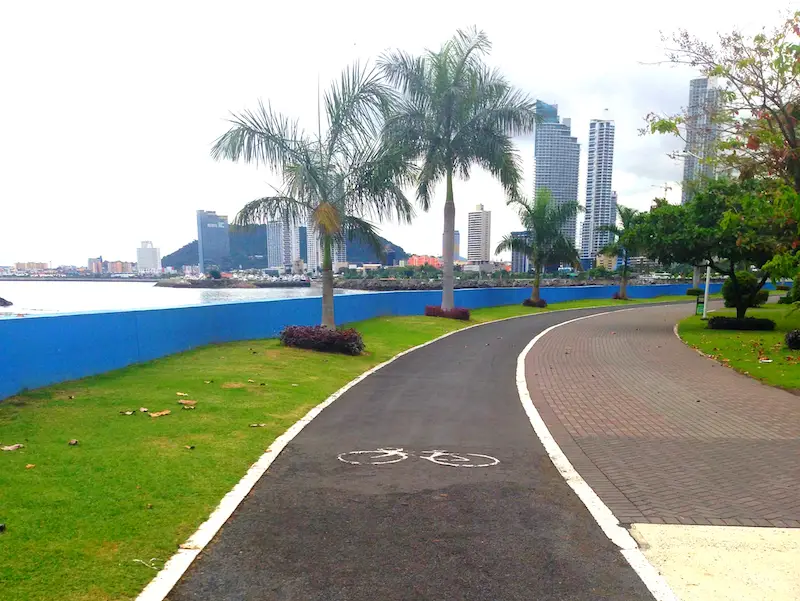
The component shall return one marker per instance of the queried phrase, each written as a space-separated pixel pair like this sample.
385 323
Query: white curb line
158 588
599 510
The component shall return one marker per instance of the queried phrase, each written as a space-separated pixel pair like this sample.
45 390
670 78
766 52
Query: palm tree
622 242
456 112
545 243
338 180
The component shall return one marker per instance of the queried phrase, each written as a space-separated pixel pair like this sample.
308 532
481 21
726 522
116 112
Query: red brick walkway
662 434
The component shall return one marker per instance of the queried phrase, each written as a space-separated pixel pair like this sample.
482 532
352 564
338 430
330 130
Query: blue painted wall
40 350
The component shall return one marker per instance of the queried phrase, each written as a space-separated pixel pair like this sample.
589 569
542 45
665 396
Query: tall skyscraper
213 242
456 244
274 244
148 258
283 244
479 231
701 135
601 201
556 157
519 261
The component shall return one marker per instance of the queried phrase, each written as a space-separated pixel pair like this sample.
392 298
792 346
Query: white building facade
479 229
601 200
148 258
702 134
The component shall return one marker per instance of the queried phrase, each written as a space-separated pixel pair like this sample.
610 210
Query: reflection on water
67 297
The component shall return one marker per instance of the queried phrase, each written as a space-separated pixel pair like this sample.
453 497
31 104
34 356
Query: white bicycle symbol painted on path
384 456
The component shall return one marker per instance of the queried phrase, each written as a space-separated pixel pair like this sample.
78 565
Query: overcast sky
108 109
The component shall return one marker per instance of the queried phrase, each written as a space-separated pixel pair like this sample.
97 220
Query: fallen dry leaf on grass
252 381
143 409
207 381
188 406
30 466
160 413
12 447
73 442
190 446
187 403
182 393
258 425
133 412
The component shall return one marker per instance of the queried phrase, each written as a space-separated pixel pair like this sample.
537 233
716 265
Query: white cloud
108 110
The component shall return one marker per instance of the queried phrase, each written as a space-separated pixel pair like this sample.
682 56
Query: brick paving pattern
662 434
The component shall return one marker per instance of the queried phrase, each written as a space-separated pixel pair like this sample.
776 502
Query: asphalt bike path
454 497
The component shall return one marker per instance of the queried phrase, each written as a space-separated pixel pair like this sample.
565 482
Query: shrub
793 340
215 274
454 313
762 296
528 302
747 286
695 292
618 296
783 287
747 323
319 338
786 300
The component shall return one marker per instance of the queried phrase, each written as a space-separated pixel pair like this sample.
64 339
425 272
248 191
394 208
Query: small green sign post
701 303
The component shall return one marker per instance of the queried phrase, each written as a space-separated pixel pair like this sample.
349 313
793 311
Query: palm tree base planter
454 313
618 296
539 304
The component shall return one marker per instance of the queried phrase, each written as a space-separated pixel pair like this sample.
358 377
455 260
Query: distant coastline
232 283
6 278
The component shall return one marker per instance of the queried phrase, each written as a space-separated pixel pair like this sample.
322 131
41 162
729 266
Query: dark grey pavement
317 529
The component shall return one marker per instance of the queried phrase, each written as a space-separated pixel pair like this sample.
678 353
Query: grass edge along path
743 350
96 520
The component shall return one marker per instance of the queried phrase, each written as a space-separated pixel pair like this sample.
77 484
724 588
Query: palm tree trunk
537 280
448 282
623 287
327 283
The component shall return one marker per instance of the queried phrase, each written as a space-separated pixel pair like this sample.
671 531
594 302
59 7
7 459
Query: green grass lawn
78 520
742 350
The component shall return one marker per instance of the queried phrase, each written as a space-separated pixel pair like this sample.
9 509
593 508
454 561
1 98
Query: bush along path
96 519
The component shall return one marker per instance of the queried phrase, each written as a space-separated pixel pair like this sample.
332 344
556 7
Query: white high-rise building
148 258
601 201
479 229
701 135
556 156
315 255
283 244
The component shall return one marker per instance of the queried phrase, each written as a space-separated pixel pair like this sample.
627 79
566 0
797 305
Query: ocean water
42 297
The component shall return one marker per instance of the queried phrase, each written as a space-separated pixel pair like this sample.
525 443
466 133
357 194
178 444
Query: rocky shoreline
231 283
4 302
387 285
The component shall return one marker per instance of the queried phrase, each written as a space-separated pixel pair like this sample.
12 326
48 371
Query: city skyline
479 235
701 134
200 83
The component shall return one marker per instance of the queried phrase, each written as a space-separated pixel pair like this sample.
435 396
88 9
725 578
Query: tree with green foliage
456 112
623 243
728 223
215 274
338 180
757 118
545 244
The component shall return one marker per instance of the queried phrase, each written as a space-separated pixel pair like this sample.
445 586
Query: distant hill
249 250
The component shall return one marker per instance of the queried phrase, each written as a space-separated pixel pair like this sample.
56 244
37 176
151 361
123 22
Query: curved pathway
315 528
662 434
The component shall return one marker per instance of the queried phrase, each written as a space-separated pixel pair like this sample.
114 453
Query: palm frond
327 219
272 208
517 244
360 230
263 137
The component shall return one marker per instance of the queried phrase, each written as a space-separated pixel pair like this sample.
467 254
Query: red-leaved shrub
319 338
540 304
454 313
